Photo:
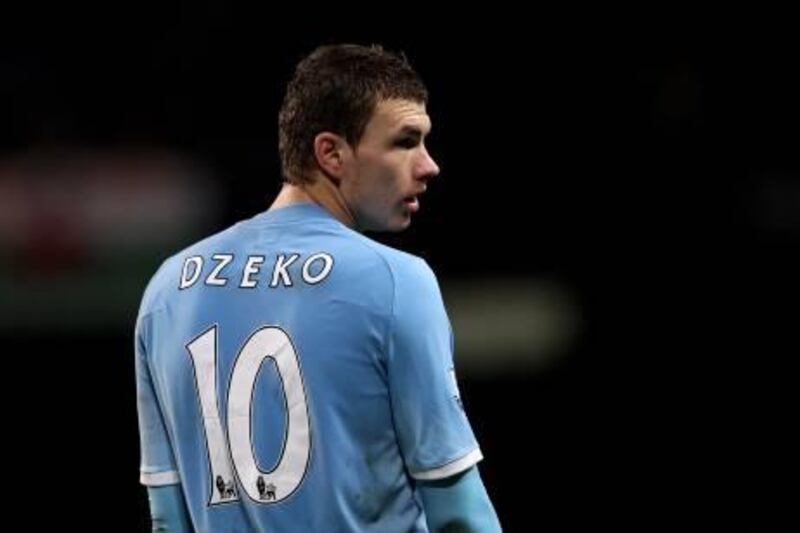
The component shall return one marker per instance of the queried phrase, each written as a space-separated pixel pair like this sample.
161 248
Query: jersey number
265 487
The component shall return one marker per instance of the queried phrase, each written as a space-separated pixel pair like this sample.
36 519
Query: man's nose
427 166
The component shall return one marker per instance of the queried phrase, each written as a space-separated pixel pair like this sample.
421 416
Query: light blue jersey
294 375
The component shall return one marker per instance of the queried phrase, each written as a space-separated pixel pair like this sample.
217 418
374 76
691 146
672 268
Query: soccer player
293 374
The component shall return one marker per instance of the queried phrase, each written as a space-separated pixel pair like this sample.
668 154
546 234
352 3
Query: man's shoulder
168 275
397 264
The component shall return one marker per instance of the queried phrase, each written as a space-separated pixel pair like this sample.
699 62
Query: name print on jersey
287 270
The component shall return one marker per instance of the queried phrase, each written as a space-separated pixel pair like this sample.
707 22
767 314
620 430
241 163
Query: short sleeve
434 433
157 461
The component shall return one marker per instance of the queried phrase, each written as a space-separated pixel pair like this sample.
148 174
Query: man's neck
321 192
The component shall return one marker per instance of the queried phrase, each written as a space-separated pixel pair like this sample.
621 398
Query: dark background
652 171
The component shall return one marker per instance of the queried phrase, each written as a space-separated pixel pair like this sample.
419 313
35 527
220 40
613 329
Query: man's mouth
411 203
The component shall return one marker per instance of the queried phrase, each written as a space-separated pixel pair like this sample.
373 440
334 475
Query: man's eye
406 143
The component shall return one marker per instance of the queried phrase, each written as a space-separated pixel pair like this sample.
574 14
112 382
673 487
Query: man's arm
168 509
458 503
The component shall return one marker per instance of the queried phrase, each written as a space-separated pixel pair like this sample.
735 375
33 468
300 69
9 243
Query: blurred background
616 231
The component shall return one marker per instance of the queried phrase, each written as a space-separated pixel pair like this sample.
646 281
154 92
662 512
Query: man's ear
331 152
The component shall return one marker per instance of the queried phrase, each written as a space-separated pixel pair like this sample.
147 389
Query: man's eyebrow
413 131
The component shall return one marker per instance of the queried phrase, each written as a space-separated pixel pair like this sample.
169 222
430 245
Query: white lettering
189 280
213 278
280 270
327 261
252 267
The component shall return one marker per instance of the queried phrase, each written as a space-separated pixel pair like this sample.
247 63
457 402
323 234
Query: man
294 375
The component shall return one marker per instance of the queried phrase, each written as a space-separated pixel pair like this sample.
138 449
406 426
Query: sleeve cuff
450 469
158 479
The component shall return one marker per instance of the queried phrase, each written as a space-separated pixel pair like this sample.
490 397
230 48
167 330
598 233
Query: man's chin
402 222
392 226
401 227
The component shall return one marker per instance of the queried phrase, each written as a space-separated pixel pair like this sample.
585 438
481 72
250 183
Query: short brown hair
336 88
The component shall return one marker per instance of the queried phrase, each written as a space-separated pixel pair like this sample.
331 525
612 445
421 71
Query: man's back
292 374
